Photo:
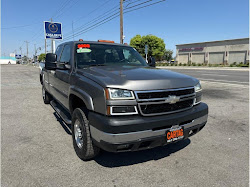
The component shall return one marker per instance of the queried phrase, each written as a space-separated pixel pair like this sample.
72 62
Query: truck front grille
166 107
164 94
160 102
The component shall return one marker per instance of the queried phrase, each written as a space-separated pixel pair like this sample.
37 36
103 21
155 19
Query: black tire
46 96
87 150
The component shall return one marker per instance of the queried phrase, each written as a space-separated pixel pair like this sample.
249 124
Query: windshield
107 55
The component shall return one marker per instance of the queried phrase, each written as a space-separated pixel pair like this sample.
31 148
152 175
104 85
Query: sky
175 21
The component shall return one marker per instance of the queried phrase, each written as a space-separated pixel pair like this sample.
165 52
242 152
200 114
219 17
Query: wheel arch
78 98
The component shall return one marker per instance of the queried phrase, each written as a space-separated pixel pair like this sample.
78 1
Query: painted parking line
241 86
224 81
211 74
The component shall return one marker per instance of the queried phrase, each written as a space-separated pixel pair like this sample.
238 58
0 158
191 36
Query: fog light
123 110
123 147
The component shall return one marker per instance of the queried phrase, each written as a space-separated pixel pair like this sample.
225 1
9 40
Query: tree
156 46
42 57
168 55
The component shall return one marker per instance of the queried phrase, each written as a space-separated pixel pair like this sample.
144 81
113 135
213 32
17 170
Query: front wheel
82 141
46 96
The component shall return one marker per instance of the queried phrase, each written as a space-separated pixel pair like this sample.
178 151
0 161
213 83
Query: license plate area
174 134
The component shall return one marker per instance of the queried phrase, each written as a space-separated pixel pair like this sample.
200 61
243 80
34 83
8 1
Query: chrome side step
61 112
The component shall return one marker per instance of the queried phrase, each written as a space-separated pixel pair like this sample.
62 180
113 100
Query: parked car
116 102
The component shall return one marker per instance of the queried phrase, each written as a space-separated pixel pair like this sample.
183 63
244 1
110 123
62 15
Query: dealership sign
53 30
192 49
18 56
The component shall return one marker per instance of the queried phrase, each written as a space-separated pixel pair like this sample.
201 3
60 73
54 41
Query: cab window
58 52
65 57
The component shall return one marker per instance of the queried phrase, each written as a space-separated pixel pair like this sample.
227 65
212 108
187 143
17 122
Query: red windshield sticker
83 46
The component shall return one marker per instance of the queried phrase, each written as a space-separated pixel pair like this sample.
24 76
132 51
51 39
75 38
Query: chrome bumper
136 136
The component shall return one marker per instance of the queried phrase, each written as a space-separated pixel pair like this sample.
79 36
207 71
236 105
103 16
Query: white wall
6 61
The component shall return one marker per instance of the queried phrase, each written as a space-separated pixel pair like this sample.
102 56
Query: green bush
193 64
184 64
180 64
199 64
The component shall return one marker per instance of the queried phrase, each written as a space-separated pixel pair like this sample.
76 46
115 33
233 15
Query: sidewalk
205 68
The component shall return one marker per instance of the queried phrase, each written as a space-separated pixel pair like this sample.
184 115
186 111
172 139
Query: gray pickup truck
115 101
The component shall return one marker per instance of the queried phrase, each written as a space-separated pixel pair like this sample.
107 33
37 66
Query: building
7 60
214 52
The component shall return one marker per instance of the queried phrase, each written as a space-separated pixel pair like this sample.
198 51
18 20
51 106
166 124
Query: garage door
183 58
216 58
198 58
239 56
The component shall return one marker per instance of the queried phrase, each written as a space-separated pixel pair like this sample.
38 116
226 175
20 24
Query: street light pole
27 45
121 21
52 47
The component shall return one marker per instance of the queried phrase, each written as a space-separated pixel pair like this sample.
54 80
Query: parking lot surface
37 146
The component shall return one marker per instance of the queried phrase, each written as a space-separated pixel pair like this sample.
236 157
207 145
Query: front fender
86 98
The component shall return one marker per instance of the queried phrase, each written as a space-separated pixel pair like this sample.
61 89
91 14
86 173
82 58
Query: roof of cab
93 42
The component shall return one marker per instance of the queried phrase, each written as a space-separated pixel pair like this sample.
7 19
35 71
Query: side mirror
63 66
50 61
152 64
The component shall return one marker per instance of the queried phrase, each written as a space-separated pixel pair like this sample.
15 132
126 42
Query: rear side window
65 57
58 52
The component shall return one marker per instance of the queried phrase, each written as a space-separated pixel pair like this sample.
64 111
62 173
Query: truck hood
137 78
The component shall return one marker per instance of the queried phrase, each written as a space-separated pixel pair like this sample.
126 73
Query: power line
144 6
138 4
111 18
92 11
97 18
66 10
61 8
100 22
21 26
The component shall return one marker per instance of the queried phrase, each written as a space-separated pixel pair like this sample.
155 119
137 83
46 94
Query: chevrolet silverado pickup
114 101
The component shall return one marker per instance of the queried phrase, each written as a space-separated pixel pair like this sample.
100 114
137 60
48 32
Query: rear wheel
82 140
46 96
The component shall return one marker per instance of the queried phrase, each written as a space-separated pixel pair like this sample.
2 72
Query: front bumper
131 133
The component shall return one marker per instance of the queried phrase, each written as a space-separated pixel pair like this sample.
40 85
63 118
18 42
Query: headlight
198 88
198 94
120 94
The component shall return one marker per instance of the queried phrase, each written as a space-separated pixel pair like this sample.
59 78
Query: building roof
214 41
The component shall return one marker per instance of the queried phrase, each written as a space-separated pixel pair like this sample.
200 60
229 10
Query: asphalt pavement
37 150
235 76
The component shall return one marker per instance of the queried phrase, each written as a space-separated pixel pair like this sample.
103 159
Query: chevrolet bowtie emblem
172 99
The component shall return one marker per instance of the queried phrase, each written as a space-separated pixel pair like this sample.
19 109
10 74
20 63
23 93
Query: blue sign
18 56
53 30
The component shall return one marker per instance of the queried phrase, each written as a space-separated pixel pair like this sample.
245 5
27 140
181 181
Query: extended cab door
51 73
62 77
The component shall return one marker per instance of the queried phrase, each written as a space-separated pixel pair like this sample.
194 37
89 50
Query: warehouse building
214 52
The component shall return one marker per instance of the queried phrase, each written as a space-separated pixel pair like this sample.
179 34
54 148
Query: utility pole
51 41
35 52
35 48
73 31
121 21
21 51
45 46
27 45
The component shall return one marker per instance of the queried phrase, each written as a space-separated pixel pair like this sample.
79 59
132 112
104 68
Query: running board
61 112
